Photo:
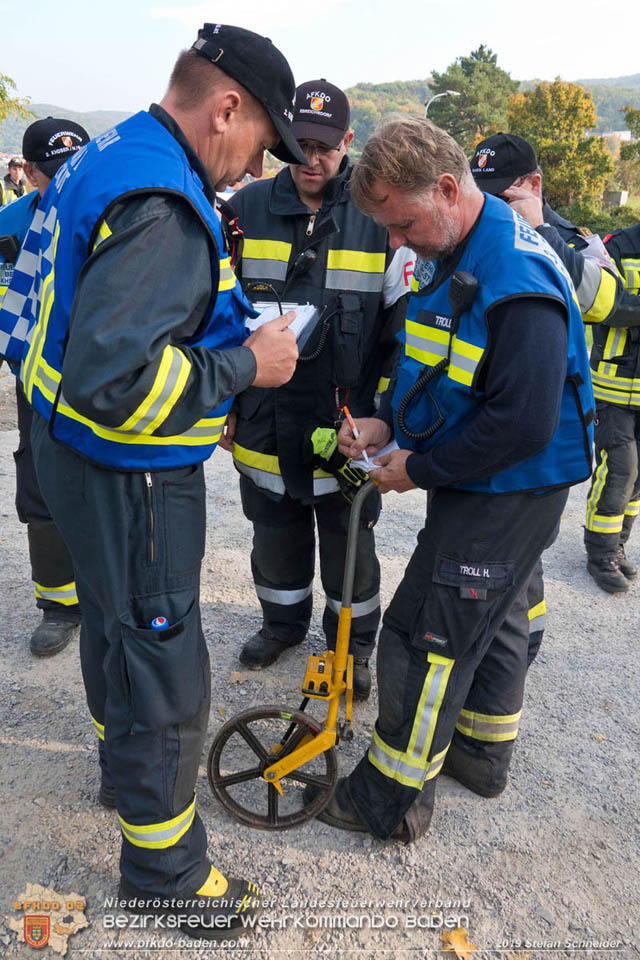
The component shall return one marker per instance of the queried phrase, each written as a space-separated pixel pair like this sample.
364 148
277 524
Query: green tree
556 119
481 108
630 152
12 106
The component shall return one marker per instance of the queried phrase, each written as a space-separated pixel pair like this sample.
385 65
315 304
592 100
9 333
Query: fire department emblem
317 103
68 142
482 160
37 930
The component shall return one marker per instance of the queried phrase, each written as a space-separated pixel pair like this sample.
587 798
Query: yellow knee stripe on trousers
492 727
215 885
159 836
99 728
66 594
411 766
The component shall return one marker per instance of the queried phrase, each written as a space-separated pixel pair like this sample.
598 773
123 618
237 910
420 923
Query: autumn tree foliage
557 119
10 105
481 108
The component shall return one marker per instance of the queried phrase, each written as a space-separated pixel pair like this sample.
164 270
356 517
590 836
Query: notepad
368 467
307 315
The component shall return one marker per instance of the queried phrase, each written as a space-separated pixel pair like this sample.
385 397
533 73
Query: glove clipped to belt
321 450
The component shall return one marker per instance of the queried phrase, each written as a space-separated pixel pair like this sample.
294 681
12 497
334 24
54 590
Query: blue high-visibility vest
509 260
138 156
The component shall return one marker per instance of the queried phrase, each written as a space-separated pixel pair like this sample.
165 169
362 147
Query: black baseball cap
51 141
322 113
501 159
259 66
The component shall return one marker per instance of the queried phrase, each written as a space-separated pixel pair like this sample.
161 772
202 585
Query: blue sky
117 54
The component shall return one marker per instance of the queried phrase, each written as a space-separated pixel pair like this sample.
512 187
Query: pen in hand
354 430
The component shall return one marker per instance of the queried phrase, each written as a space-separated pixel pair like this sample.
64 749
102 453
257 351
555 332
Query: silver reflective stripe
261 478
427 345
352 280
264 269
163 396
357 609
427 710
396 765
286 598
538 623
56 594
589 285
461 362
323 485
162 837
615 342
203 430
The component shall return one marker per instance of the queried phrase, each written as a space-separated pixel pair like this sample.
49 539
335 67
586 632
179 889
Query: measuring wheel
254 740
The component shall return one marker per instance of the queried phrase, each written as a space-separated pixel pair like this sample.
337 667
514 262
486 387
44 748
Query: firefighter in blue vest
606 284
492 408
306 242
46 145
129 327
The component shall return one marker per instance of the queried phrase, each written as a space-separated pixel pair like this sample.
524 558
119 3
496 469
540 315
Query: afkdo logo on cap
317 103
482 160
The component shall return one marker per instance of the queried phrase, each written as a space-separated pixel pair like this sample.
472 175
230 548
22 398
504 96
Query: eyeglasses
321 149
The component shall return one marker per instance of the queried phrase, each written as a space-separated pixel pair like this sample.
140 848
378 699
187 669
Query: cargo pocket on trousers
165 671
184 511
459 604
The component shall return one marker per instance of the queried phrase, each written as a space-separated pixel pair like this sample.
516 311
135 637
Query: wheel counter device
262 758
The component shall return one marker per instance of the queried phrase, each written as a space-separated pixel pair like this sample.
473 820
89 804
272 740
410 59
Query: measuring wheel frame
302 727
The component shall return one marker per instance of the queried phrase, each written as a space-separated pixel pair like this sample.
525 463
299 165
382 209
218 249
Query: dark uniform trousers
137 541
51 566
282 563
452 654
614 498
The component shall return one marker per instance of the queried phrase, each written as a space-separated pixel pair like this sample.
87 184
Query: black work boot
198 915
361 679
339 812
607 574
474 773
51 635
627 568
263 649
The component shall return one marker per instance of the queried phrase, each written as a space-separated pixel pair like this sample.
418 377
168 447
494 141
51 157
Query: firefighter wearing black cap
491 323
135 345
305 241
47 144
506 165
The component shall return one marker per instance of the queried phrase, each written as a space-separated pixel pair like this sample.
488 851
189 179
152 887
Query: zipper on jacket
311 224
152 519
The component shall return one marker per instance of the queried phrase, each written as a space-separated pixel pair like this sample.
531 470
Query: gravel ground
553 860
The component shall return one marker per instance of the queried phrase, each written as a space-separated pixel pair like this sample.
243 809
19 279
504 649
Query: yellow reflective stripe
266 249
410 767
426 336
383 383
227 279
605 299
267 462
436 764
597 488
608 380
415 286
34 354
163 394
206 431
463 370
601 523
538 611
633 508
615 343
358 260
159 836
66 594
631 268
99 727
624 398
491 728
104 232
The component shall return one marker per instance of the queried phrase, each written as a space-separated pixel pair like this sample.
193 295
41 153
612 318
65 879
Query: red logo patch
68 142
482 160
317 103
37 931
